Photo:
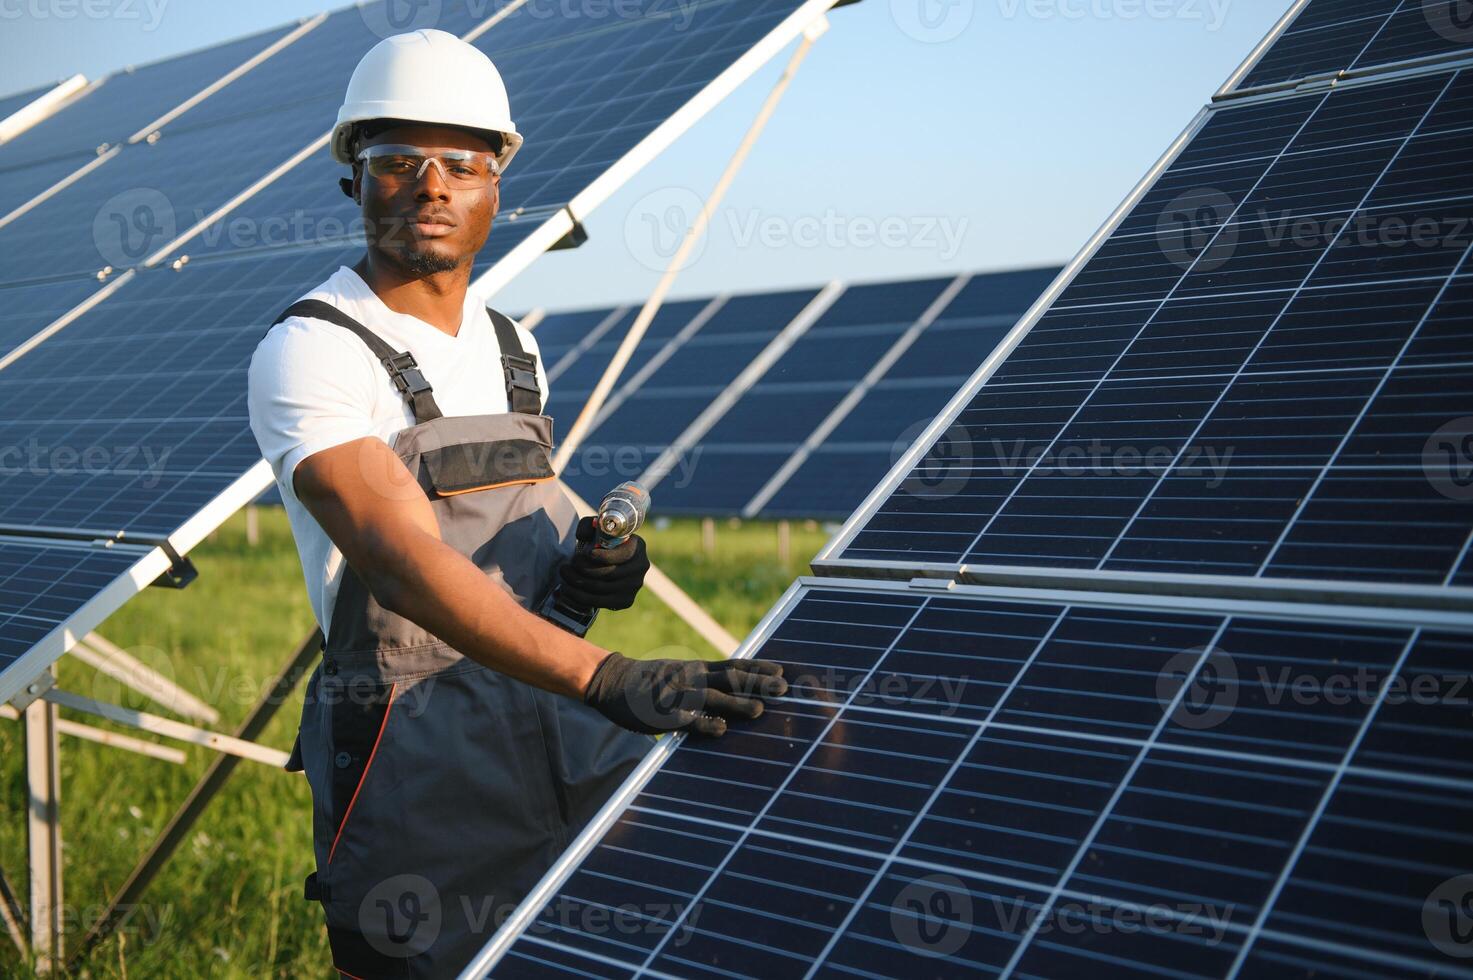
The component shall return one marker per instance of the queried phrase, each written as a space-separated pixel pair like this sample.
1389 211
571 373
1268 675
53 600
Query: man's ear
353 186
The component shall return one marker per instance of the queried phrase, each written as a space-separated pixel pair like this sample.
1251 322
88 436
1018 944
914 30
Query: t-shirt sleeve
308 391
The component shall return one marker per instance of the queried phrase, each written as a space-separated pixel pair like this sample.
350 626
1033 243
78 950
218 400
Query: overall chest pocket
465 467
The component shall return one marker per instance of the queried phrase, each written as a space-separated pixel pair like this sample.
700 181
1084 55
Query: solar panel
44 585
964 783
1331 36
112 110
766 425
131 393
1252 393
655 414
137 409
831 476
585 90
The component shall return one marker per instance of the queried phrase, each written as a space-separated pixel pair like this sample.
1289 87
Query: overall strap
523 394
401 365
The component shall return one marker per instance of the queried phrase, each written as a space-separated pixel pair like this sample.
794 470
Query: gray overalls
441 789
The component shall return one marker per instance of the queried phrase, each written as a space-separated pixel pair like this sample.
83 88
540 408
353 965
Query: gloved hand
654 696
603 578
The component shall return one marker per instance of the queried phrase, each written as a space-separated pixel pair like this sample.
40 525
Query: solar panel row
945 791
761 457
1258 366
127 399
1021 782
1357 35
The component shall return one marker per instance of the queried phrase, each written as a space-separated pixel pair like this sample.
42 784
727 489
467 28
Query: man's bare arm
373 510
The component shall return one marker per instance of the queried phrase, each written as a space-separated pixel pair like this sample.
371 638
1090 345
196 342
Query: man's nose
432 184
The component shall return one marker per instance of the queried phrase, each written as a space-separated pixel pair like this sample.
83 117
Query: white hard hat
426 76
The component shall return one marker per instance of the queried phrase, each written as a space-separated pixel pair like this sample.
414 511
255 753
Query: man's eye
397 165
462 170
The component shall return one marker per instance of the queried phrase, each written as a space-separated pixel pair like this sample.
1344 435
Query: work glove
603 578
653 696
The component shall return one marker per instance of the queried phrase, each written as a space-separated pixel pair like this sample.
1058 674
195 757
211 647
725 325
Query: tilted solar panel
770 420
833 476
1255 370
1022 786
1330 36
138 408
642 426
44 584
130 386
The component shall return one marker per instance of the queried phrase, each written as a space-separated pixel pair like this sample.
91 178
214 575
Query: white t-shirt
314 385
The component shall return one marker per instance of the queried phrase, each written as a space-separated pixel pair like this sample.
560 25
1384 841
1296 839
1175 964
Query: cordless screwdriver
621 513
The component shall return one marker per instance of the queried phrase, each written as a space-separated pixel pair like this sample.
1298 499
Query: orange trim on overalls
373 753
494 486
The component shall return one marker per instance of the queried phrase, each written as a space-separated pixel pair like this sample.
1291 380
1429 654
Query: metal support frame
199 798
13 917
43 833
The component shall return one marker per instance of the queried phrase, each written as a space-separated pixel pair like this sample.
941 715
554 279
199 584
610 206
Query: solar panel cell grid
1046 768
137 409
1244 390
42 584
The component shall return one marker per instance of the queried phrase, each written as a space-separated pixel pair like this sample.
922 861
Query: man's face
425 225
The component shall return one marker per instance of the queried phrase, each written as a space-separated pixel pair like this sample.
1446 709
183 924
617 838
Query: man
455 741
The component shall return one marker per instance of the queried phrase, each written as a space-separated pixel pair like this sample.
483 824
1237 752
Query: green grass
229 904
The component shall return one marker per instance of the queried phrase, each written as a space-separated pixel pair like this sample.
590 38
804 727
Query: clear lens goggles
399 164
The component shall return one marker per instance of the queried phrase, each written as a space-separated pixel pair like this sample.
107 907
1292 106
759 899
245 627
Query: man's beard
428 262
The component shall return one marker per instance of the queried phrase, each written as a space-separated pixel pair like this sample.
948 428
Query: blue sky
920 136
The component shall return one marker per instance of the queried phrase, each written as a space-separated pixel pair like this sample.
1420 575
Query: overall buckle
404 370
521 373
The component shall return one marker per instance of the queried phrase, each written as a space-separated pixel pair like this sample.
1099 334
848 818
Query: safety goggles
397 164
